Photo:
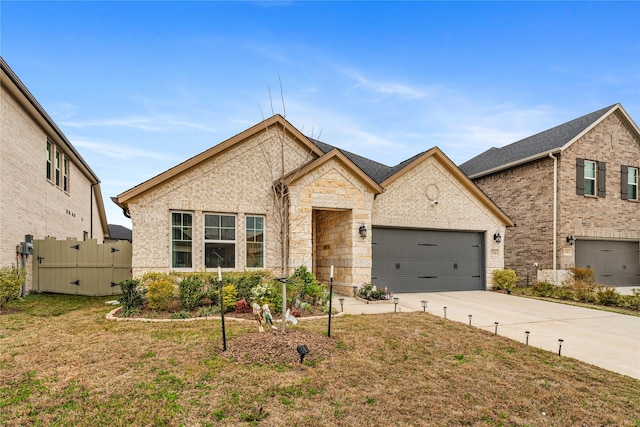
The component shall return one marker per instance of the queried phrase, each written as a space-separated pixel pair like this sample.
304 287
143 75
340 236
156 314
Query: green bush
583 291
159 294
607 295
370 292
11 280
191 292
543 289
154 276
631 301
504 279
314 293
229 297
132 296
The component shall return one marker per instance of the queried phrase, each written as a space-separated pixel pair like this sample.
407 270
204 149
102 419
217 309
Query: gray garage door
427 260
615 263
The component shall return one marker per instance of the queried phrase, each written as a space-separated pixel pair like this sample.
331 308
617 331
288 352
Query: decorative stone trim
112 316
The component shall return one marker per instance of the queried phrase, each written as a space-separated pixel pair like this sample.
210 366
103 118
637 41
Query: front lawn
62 363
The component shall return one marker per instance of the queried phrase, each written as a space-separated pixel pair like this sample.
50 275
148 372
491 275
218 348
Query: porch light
571 240
497 237
363 231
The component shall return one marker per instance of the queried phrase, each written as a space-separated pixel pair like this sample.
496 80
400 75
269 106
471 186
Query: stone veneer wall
410 202
333 246
237 181
332 187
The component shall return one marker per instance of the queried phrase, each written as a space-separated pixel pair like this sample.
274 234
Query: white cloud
118 151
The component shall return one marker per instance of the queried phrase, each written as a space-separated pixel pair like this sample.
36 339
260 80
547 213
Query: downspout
555 217
91 211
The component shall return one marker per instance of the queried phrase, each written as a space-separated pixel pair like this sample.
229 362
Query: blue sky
138 87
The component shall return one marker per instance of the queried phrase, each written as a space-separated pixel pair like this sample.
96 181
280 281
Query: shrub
314 293
159 294
132 296
585 275
563 292
11 280
632 301
543 289
243 307
208 311
607 295
181 315
191 292
154 276
371 292
583 291
229 297
504 279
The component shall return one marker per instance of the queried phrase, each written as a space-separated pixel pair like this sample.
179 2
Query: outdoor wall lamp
363 231
497 237
571 240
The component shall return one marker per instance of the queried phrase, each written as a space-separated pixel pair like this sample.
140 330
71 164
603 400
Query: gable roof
276 120
373 174
540 145
347 162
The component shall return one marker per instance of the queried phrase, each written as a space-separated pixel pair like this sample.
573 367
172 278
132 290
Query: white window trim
171 267
629 183
205 240
264 241
594 179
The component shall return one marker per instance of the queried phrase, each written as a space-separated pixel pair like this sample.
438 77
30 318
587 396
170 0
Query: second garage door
615 263
408 260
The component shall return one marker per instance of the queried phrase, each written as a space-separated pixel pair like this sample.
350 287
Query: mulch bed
274 347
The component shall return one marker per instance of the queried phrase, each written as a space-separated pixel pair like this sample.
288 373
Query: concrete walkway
608 340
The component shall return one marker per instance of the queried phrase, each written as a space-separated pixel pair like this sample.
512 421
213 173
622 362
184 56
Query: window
629 183
49 159
181 239
65 174
591 178
255 241
220 240
58 155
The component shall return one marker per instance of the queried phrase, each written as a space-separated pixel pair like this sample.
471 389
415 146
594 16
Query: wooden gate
80 267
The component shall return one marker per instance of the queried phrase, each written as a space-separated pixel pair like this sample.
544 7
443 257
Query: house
270 197
573 193
118 232
46 187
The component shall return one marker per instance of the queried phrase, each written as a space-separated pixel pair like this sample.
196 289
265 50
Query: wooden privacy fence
80 267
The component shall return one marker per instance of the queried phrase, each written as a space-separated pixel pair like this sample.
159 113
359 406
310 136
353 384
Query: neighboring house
118 232
573 193
46 187
273 198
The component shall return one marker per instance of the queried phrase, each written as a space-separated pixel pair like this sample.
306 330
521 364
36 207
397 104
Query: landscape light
424 305
303 350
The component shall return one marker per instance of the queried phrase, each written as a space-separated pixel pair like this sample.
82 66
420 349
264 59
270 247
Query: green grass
62 363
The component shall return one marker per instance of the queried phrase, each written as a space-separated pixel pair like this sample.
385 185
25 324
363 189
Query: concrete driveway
601 338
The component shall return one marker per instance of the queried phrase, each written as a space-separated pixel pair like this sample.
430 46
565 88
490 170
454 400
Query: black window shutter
602 179
624 184
580 177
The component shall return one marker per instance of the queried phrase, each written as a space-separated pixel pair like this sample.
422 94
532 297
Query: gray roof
374 170
550 140
119 232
